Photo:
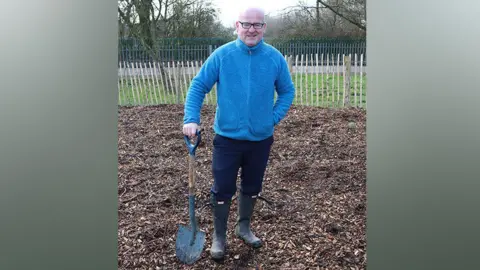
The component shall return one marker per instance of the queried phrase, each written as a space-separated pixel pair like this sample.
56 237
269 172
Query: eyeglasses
247 25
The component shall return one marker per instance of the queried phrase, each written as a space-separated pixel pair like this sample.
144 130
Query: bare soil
312 211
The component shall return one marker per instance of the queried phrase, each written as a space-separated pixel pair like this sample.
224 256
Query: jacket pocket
261 122
227 117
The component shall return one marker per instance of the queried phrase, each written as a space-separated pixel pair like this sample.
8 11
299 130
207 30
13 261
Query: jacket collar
240 44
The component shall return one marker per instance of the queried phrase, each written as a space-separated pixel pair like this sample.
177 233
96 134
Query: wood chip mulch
311 214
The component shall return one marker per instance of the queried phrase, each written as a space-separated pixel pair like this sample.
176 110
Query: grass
326 90
151 92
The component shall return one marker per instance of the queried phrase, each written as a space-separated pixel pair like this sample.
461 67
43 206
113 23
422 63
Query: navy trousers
229 156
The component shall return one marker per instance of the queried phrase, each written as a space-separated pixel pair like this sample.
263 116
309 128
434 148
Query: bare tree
197 20
149 20
326 18
353 11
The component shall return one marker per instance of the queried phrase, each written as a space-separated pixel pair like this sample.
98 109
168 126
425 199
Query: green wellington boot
246 205
220 217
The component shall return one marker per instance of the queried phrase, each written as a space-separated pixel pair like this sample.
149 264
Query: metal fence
198 49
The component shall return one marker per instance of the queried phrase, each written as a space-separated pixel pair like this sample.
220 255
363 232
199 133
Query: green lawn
151 92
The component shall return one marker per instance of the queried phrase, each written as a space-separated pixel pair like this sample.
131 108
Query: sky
229 9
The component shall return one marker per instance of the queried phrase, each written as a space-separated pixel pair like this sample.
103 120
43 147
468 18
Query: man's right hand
190 129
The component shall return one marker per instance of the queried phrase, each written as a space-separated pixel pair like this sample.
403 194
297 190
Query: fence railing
197 49
320 80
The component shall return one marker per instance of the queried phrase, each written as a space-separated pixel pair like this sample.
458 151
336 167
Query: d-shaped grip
192 147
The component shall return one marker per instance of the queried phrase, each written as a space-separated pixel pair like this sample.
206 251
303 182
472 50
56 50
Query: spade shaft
191 195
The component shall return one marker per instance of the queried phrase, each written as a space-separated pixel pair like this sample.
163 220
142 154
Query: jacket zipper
249 84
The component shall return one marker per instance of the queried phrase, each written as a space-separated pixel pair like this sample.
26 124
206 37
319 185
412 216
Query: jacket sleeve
285 90
201 85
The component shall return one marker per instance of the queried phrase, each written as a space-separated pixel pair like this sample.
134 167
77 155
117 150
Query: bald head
251 11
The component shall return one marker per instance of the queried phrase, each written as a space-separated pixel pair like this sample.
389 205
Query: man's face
253 28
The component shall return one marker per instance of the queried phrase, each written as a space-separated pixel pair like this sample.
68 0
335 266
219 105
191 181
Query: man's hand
190 129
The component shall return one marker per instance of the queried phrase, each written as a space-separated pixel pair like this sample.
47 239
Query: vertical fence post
176 82
290 68
290 64
296 78
347 75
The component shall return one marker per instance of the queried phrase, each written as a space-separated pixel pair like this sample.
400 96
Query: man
247 72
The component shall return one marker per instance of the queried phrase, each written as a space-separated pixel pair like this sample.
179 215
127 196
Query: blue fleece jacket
246 78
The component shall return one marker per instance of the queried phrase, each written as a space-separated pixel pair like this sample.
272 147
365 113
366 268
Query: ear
235 26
